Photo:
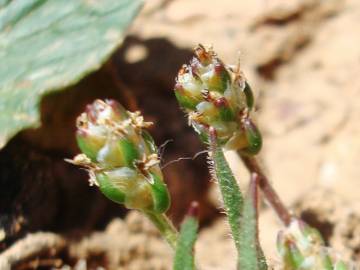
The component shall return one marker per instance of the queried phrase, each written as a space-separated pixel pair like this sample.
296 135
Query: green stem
270 194
165 226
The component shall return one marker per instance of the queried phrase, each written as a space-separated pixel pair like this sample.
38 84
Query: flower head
121 156
217 96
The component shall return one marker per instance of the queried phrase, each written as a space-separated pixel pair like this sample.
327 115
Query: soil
303 61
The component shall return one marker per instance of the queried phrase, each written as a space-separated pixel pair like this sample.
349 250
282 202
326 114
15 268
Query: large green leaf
46 45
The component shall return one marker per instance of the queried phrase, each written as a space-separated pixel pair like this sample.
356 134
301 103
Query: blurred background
302 58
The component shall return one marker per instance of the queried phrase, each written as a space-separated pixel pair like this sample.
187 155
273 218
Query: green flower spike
121 157
215 96
301 247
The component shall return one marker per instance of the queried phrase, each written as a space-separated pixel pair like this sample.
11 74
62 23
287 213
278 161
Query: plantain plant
121 158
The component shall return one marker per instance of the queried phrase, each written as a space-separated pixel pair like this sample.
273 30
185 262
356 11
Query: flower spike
214 95
121 156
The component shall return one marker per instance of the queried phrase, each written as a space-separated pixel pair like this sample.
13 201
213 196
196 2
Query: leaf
184 257
242 214
230 191
47 45
251 256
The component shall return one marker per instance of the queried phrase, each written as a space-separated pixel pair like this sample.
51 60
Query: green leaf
48 45
251 256
230 191
184 257
242 214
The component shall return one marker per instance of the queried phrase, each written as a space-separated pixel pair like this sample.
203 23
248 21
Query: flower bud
215 96
121 157
289 252
302 247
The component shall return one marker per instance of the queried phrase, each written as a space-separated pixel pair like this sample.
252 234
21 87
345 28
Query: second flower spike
216 96
121 156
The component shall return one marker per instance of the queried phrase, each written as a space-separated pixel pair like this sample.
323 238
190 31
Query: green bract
121 157
215 96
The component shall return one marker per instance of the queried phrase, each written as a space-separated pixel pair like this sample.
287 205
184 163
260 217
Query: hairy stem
270 194
165 226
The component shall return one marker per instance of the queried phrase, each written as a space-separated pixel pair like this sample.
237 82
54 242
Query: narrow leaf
230 191
48 45
184 257
242 215
251 256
